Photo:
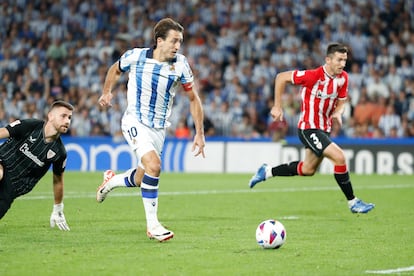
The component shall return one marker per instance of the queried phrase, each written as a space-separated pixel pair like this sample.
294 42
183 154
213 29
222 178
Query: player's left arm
58 217
342 98
58 188
339 110
196 109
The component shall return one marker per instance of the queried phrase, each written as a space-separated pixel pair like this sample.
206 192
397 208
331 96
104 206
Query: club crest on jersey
341 81
172 67
50 154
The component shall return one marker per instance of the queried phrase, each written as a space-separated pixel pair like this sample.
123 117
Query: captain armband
188 86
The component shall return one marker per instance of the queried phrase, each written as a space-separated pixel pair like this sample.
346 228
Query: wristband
58 207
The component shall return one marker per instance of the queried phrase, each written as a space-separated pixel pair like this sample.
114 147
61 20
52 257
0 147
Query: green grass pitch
214 217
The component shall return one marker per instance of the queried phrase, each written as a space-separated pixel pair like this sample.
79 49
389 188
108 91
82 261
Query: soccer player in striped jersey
324 92
154 76
25 157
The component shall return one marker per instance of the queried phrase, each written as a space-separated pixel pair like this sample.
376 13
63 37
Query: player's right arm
19 128
281 80
112 77
4 133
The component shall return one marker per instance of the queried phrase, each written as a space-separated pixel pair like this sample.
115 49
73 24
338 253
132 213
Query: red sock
340 169
300 168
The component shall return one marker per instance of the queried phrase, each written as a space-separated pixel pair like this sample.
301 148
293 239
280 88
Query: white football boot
103 190
159 233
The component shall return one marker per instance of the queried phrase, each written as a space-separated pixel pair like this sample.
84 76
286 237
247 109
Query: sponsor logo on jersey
31 139
25 150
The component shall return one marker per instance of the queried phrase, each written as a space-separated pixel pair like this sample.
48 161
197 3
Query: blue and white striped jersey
152 85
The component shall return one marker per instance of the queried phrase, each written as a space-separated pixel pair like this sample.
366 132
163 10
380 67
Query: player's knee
153 168
339 159
336 154
308 171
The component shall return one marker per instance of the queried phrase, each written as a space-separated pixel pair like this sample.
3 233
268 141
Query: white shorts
141 138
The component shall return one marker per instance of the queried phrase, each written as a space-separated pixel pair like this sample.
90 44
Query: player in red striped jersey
324 92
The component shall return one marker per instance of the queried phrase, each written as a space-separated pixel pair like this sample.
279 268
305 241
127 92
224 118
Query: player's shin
343 180
287 169
125 179
149 192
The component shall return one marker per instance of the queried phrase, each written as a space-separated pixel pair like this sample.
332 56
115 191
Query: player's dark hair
60 103
162 28
336 47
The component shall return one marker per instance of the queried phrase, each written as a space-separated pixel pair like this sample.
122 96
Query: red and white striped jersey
319 94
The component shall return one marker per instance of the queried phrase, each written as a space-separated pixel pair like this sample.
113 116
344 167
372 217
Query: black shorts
315 139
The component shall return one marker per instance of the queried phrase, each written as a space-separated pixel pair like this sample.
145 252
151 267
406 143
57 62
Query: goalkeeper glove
58 218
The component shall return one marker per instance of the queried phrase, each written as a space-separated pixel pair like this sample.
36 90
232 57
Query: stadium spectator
401 103
376 87
369 65
359 43
379 109
405 70
384 60
244 128
182 131
390 123
377 133
410 113
81 125
410 129
393 80
363 110
278 130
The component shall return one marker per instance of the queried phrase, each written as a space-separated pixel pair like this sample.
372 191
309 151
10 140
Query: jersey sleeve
128 58
60 165
19 128
343 87
187 77
303 77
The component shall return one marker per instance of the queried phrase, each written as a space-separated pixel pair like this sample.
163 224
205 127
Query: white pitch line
391 271
289 218
45 195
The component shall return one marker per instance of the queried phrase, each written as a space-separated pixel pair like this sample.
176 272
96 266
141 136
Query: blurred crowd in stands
52 49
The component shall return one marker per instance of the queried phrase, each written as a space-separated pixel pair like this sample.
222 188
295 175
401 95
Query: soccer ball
270 234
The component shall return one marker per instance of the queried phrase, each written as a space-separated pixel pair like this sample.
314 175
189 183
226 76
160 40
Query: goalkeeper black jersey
26 156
